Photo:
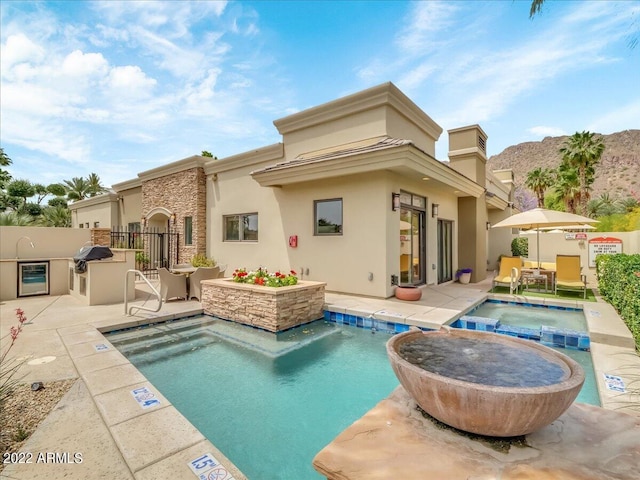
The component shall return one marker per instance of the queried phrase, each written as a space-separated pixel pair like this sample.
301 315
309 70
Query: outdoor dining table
538 276
186 271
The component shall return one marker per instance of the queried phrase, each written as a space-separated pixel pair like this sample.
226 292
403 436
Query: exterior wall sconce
143 222
173 218
488 225
395 201
434 210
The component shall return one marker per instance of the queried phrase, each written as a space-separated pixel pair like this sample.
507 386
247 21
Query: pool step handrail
127 309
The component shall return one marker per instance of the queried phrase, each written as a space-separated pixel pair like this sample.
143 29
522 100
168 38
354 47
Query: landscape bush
520 247
619 284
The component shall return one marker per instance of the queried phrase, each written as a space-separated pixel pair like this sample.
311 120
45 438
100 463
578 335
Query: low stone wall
272 309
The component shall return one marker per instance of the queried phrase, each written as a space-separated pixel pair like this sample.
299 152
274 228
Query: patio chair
181 265
568 276
172 285
509 273
221 272
201 273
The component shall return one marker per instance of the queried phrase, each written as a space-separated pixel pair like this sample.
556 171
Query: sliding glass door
445 250
412 240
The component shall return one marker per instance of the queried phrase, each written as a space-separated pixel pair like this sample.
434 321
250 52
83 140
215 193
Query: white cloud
544 131
130 80
427 20
17 49
78 64
47 137
622 118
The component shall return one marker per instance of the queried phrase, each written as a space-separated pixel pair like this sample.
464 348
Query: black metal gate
156 249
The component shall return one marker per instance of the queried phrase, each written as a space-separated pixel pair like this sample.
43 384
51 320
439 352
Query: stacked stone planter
268 308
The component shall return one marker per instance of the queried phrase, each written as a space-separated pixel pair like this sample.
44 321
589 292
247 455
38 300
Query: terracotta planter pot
408 293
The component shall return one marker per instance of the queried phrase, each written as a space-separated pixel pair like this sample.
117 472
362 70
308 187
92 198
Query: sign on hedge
603 246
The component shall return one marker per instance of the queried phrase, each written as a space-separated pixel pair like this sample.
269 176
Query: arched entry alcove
158 220
160 239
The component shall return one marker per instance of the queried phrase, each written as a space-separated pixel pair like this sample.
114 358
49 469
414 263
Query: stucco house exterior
353 196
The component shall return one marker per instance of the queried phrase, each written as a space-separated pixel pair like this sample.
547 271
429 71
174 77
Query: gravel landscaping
25 409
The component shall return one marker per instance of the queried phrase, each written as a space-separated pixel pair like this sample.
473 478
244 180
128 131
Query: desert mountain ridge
618 172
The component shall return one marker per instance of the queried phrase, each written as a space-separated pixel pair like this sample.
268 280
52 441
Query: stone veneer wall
101 236
184 194
272 309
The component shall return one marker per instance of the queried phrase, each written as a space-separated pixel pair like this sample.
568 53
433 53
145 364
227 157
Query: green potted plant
201 260
463 275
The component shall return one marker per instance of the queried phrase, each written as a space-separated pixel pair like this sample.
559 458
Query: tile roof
345 150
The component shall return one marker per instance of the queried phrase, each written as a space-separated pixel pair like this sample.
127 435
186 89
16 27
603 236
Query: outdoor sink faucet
18 241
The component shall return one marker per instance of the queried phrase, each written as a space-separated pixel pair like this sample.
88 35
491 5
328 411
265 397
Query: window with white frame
240 228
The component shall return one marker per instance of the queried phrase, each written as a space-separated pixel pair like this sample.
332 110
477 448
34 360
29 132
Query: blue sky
121 87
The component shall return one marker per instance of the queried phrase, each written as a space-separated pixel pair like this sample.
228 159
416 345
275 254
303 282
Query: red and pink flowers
264 278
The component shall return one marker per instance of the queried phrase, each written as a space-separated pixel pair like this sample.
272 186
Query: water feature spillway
485 383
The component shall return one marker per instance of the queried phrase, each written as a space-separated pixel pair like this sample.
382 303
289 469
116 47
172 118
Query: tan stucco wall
104 280
355 127
377 111
49 242
473 236
106 213
499 239
130 207
56 245
370 240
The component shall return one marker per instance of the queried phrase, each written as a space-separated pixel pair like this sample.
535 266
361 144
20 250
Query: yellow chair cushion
568 283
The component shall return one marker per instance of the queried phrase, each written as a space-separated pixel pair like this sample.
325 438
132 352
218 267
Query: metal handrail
127 311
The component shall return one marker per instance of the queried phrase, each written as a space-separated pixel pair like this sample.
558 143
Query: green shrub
142 259
201 260
619 284
520 247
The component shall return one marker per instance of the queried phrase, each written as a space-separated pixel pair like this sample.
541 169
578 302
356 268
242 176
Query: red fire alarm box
293 241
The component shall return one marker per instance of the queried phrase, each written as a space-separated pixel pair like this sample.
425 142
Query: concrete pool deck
102 419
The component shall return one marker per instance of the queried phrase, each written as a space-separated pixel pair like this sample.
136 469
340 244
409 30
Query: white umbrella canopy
539 218
562 229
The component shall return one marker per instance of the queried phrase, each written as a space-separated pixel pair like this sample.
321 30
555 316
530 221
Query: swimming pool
294 392
532 315
245 389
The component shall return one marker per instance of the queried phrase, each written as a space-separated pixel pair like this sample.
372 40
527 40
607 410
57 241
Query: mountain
618 172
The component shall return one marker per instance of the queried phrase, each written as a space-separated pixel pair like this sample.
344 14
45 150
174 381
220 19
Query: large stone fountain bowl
482 408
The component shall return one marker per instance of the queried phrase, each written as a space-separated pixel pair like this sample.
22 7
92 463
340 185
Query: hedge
619 284
520 247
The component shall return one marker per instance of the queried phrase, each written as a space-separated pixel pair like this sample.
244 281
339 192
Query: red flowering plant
264 278
9 368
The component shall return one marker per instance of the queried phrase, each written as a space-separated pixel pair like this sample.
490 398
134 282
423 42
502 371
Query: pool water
589 392
268 406
532 316
271 402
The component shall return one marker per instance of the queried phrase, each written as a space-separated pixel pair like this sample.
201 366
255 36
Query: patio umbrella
540 218
566 227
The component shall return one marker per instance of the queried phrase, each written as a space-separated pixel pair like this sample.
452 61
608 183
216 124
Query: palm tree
57 216
567 187
95 187
607 205
5 161
539 180
77 188
583 152
14 219
629 204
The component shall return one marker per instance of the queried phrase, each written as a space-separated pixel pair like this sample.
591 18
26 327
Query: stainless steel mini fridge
33 278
